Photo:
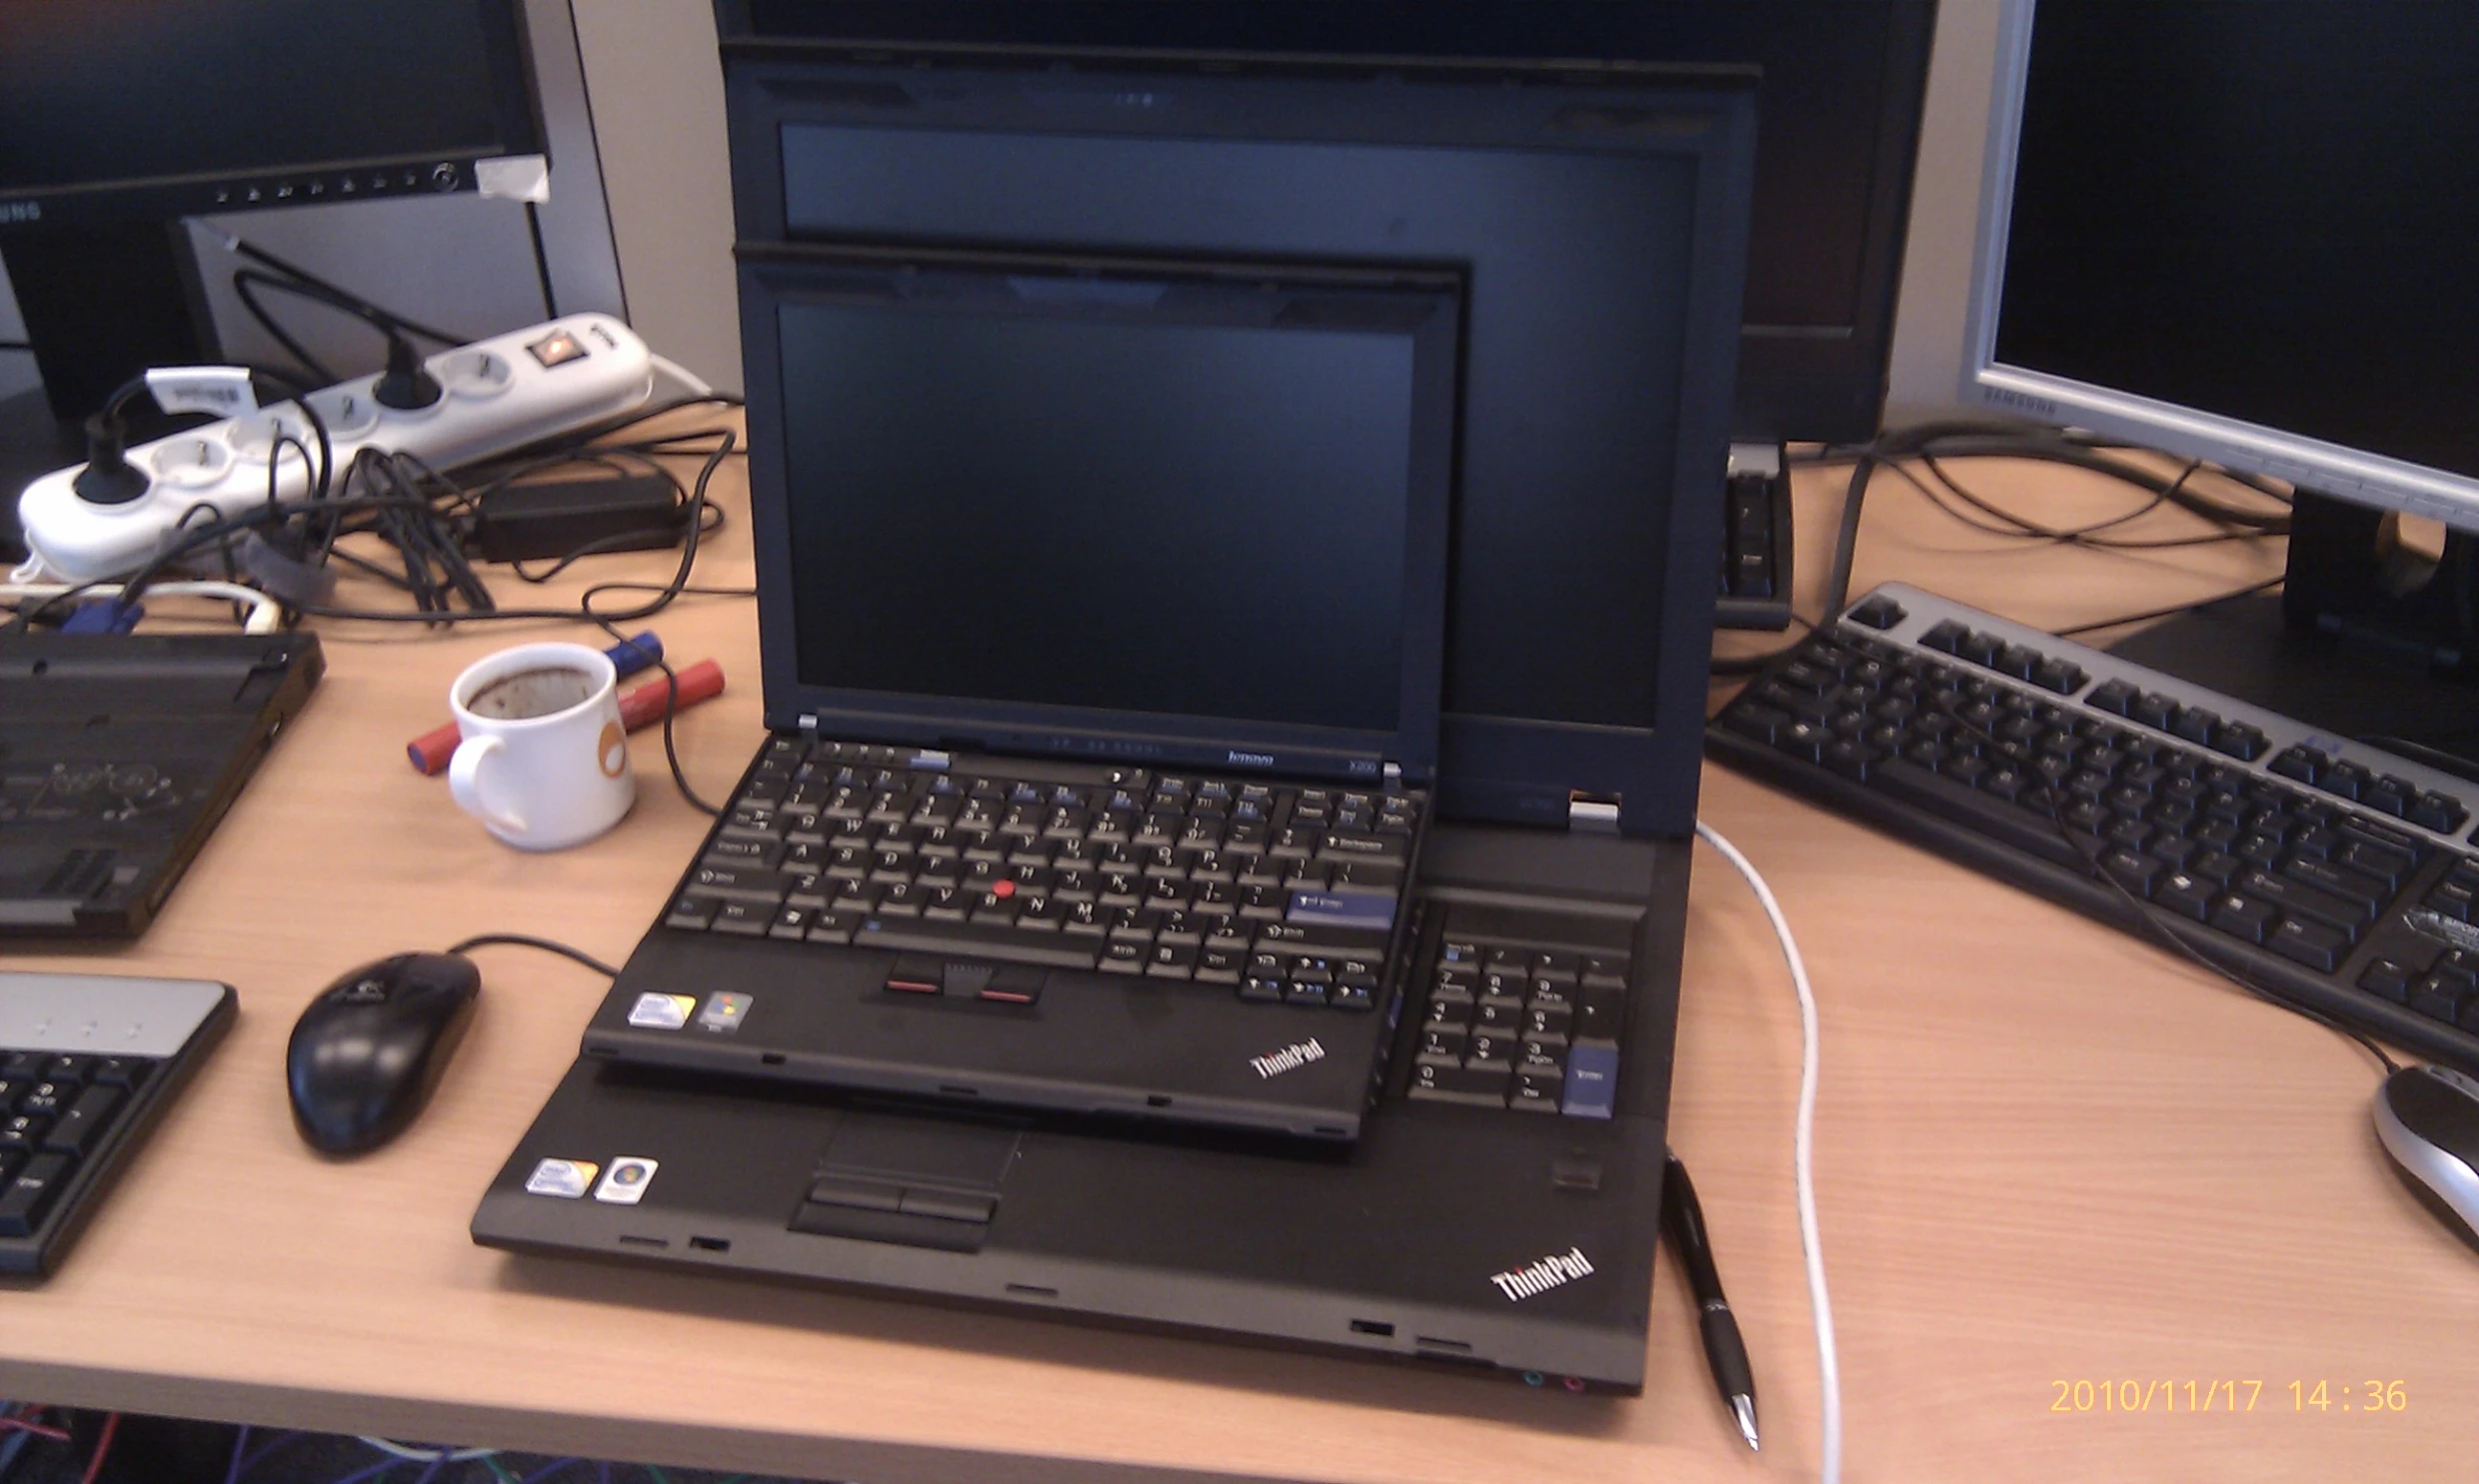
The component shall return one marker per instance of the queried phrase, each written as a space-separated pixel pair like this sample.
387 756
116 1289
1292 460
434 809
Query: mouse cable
527 940
1803 1162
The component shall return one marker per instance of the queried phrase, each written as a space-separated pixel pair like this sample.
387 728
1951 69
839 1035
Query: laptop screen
1167 497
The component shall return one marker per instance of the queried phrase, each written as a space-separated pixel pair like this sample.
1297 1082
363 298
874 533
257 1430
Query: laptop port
711 1244
1370 1327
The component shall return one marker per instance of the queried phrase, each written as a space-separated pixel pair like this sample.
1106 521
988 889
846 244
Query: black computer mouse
2428 1119
366 1053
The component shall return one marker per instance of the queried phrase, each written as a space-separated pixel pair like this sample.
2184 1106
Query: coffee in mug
532 692
544 759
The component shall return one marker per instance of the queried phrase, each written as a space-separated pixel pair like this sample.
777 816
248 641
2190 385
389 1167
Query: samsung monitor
119 116
2240 231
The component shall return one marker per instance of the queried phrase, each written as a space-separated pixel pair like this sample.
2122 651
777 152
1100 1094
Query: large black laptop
1103 606
118 754
1498 1210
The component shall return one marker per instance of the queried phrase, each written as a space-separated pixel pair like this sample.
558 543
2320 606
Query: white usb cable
1828 1369
266 613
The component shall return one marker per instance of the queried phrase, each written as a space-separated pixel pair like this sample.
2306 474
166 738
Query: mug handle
465 781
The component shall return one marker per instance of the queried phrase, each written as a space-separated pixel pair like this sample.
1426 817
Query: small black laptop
118 754
1104 611
1499 1212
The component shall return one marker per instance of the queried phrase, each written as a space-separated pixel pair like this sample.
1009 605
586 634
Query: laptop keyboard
1516 1025
1288 894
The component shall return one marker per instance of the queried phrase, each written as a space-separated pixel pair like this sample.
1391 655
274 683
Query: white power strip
497 394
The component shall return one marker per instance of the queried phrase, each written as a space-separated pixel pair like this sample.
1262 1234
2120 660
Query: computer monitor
118 118
2242 232
1838 113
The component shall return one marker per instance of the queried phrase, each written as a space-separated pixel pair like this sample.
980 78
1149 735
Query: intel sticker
565 1178
661 1012
626 1183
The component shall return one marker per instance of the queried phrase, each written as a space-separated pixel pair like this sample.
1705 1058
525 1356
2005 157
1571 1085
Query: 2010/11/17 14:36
2370 1396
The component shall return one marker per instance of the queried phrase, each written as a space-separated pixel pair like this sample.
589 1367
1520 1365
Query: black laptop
1498 1213
1102 607
118 754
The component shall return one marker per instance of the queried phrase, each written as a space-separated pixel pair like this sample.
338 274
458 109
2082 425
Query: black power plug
108 477
406 385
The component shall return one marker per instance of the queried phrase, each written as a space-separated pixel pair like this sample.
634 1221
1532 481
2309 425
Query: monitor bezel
1495 768
516 106
774 274
2311 464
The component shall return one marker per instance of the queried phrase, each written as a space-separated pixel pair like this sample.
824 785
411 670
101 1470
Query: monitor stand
2365 641
102 302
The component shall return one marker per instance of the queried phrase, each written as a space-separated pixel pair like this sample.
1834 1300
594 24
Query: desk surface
2048 1154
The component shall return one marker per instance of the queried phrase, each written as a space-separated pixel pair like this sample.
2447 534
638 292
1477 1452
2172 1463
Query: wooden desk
2047 1154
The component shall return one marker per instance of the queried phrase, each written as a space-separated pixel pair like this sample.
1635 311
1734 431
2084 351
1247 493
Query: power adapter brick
559 518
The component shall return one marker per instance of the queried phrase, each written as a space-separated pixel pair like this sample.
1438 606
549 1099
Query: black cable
2052 794
2172 611
16 345
527 940
671 708
282 337
1957 437
1846 536
663 599
1738 664
245 280
295 270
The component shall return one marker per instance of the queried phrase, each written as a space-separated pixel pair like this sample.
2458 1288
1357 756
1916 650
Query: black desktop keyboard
2334 873
86 1062
1287 894
1527 1017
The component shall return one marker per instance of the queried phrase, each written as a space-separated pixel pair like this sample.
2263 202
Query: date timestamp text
2358 1398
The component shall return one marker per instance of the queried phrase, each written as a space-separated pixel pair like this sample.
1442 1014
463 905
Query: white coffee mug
543 761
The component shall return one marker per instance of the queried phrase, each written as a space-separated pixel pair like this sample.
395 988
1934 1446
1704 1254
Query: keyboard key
1344 908
1484 1087
692 911
1592 1082
2243 917
28 1196
2388 977
2317 947
972 940
82 1128
2296 898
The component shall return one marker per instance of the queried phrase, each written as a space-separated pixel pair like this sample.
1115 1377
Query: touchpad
924 1182
936 1150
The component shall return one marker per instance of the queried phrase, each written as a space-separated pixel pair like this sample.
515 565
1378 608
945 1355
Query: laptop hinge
1765 459
1593 814
1394 775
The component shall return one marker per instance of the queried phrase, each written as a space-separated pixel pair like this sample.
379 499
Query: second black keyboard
2334 874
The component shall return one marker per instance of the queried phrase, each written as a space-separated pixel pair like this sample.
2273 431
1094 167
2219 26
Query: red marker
639 707
643 707
431 750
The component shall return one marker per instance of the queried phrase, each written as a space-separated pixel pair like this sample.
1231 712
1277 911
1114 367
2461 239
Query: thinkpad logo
1551 1272
1287 1058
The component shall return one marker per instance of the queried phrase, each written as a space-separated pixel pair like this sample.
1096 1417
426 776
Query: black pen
1683 1220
